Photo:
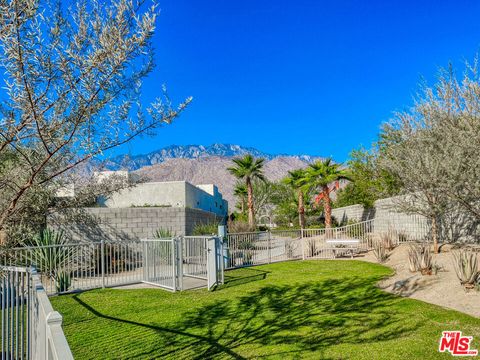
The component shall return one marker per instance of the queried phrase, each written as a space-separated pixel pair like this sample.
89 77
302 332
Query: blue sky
296 77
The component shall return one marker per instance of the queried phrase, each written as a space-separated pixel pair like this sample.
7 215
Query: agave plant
163 233
414 258
466 267
420 258
63 281
426 261
387 241
380 251
49 253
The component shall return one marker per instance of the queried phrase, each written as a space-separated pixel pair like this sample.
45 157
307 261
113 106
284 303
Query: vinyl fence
254 248
30 329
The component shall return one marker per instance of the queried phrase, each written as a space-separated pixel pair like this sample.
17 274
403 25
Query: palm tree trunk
251 211
301 209
327 208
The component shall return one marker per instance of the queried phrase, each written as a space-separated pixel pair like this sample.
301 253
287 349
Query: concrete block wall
117 224
456 226
352 213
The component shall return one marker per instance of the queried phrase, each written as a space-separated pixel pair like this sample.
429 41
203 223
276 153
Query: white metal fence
31 329
195 256
255 248
161 263
72 267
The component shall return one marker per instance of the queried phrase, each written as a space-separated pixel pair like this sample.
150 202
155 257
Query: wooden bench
344 246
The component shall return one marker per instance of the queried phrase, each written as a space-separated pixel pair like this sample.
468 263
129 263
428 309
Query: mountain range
200 164
135 162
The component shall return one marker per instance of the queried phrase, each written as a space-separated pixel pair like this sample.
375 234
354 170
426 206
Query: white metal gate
166 262
214 262
203 259
162 265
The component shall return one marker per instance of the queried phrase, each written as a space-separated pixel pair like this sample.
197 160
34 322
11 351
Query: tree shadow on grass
242 276
274 320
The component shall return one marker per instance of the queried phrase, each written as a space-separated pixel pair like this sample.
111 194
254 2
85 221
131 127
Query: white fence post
269 244
302 239
178 246
102 261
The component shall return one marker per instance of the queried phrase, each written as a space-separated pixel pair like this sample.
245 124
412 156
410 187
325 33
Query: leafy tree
72 91
433 149
247 169
370 182
298 181
320 175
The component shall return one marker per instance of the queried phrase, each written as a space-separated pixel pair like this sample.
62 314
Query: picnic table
344 246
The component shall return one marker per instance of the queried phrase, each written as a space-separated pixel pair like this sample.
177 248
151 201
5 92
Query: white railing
280 245
161 263
31 329
74 267
195 256
70 267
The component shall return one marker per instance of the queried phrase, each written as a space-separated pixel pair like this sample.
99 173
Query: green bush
163 233
205 229
63 281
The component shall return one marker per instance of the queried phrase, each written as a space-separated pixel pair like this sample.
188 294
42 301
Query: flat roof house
204 197
137 212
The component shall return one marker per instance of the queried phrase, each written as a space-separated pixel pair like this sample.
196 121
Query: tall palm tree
321 175
240 191
248 168
298 181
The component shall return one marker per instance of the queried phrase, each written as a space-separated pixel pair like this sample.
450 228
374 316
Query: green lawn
291 310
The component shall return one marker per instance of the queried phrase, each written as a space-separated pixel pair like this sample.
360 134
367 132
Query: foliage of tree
72 85
369 182
298 181
320 176
433 149
240 191
248 169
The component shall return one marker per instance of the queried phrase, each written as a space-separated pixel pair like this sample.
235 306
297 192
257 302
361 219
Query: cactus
380 251
466 267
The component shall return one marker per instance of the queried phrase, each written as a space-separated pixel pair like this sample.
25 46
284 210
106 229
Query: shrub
426 262
49 253
387 241
163 233
63 281
413 258
420 258
238 227
205 229
466 267
380 251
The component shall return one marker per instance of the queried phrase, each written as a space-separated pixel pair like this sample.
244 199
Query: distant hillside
200 164
213 170
190 152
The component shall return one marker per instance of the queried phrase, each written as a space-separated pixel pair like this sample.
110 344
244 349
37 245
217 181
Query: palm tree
248 168
298 181
320 175
240 191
